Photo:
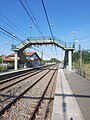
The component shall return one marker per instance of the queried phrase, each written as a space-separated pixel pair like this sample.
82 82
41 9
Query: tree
54 60
76 56
0 60
85 56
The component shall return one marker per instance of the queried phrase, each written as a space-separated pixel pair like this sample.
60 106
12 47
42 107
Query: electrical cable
10 33
33 16
34 22
47 18
6 32
12 27
13 24
48 23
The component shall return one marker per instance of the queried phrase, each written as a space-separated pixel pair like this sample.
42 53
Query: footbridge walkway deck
43 41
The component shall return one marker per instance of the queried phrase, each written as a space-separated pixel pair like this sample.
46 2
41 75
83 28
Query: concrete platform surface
65 106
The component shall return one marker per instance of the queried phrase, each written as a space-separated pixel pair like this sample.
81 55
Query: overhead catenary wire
33 19
48 21
20 32
5 33
47 18
12 27
40 51
9 34
34 22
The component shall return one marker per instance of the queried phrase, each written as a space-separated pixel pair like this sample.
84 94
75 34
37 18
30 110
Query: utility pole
74 36
80 51
3 51
42 57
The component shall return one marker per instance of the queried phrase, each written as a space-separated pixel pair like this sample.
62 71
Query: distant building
32 58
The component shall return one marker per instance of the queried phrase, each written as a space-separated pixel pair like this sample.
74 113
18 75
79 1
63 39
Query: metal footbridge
36 41
39 41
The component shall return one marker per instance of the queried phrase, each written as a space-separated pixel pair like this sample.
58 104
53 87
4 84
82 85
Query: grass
85 68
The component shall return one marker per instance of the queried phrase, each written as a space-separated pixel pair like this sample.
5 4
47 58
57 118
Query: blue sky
66 15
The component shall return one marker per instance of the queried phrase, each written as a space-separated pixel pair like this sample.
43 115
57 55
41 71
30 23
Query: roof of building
26 53
29 53
10 57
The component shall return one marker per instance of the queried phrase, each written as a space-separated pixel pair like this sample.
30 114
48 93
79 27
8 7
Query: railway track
19 74
37 111
6 83
28 92
11 88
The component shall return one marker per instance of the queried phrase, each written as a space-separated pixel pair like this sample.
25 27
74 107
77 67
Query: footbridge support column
69 60
66 59
16 61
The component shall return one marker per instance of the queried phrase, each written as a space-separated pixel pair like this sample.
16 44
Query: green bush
3 68
0 60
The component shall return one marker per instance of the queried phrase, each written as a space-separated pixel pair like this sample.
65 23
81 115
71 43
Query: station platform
65 106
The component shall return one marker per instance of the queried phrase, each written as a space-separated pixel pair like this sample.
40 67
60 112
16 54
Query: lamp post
3 51
80 49
74 36
52 25
52 38
80 52
52 31
30 30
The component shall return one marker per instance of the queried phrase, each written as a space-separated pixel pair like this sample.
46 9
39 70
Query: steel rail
52 98
20 95
21 79
38 104
15 77
18 81
21 73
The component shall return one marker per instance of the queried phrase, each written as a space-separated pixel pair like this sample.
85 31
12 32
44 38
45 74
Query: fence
83 72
